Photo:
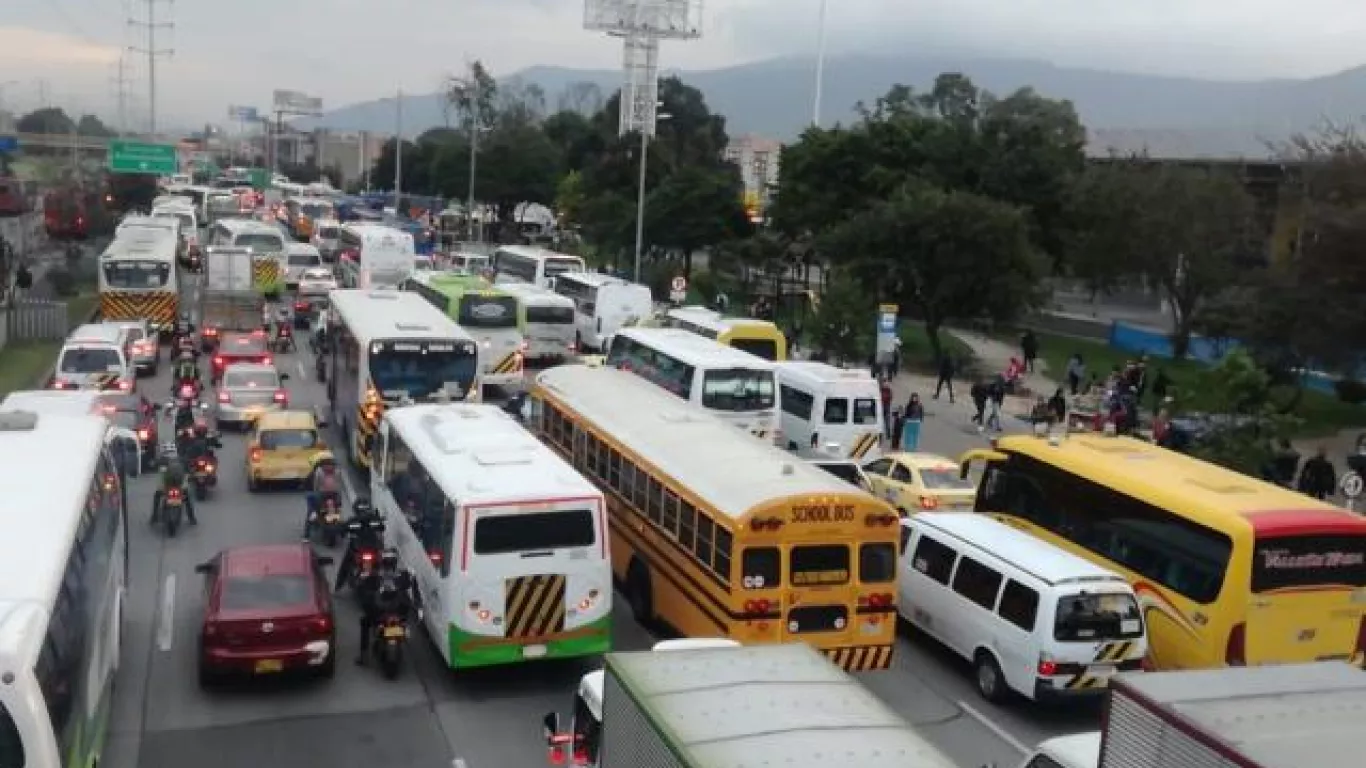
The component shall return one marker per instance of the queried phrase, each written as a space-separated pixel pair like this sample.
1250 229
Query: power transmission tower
120 83
152 52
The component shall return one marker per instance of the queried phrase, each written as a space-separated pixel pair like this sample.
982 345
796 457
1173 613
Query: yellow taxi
920 482
284 447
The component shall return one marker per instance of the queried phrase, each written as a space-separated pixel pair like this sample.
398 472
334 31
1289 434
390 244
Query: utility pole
152 52
398 153
120 83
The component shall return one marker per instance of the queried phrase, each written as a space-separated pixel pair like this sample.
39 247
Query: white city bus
138 278
537 266
547 321
736 386
389 348
507 539
603 304
374 256
63 573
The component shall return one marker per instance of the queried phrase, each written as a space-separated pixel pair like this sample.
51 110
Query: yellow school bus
757 337
718 534
1228 569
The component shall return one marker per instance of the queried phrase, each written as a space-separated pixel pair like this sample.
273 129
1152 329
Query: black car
136 413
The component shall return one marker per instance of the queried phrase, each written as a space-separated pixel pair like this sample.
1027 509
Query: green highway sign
133 157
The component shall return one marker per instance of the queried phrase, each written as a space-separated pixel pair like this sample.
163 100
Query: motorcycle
172 509
204 475
284 338
391 634
303 314
188 389
327 521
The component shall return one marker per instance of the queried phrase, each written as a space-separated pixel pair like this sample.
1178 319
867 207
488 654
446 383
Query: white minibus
1033 619
547 322
537 266
603 305
830 412
374 256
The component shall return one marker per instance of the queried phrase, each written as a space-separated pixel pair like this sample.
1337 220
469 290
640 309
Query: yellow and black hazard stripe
860 658
534 605
265 271
158 309
1113 653
863 444
510 364
102 381
367 426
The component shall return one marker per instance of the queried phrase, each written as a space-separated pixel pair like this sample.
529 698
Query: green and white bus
63 576
494 318
507 541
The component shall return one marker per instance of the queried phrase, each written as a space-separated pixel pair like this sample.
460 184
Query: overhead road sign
9 143
243 114
135 157
296 103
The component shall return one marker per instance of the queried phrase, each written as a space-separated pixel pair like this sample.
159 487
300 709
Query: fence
33 320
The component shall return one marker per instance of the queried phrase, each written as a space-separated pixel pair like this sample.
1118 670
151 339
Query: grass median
23 363
1322 414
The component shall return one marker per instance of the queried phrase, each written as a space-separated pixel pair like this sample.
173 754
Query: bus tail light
256 455
281 397
435 557
1235 653
217 361
758 607
929 502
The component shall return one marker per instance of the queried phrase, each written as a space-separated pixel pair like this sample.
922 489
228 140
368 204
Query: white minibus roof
695 350
1050 564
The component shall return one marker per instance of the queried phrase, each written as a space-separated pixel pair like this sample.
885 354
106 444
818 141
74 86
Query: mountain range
1124 112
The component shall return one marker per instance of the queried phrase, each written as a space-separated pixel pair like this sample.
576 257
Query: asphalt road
429 717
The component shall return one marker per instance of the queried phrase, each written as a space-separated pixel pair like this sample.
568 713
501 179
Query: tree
942 255
416 168
1187 230
47 120
517 164
1243 435
473 95
574 138
838 327
89 125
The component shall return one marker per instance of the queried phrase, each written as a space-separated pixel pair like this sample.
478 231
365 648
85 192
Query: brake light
218 361
879 600
580 754
267 360
210 331
256 454
58 384
435 557
224 397
929 502
173 494
367 557
556 755
143 434
1047 668
1235 653
281 397
322 624
760 606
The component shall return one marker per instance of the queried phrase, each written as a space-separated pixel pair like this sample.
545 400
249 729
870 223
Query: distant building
354 154
757 159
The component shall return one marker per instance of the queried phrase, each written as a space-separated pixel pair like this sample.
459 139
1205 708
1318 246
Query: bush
1350 391
62 281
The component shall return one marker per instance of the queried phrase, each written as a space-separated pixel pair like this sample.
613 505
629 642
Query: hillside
1170 116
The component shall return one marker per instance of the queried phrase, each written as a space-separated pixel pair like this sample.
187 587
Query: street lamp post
640 192
820 66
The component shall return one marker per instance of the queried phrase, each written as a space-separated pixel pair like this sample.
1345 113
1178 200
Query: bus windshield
263 241
556 267
418 371
550 315
136 274
488 312
737 389
534 532
11 748
1298 562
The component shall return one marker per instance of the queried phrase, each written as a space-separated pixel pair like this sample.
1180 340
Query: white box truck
229 297
1289 716
740 707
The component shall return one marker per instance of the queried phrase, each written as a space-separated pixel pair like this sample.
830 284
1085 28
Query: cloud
27 51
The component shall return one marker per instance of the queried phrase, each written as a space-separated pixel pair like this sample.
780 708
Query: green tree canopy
45 120
89 125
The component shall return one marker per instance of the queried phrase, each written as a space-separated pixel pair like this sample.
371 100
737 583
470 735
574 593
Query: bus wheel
638 592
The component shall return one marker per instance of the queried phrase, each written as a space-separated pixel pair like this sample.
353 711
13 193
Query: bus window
760 568
765 348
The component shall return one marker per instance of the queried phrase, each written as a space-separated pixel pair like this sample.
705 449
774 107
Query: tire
172 524
638 593
201 491
990 681
390 659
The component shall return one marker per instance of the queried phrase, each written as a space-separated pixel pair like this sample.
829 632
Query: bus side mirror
552 726
964 469
204 569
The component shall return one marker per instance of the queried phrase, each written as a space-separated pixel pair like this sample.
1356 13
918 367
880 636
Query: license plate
1102 670
267 666
533 651
391 632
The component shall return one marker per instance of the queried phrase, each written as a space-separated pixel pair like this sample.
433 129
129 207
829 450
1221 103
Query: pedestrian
898 422
1076 372
1285 464
1162 385
913 420
996 397
979 393
1057 405
1162 428
1029 345
885 390
1140 379
945 381
1317 476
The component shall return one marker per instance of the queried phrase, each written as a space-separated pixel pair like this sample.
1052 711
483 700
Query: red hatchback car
238 347
268 611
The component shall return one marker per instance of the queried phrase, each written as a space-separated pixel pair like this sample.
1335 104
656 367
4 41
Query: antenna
642 24
151 25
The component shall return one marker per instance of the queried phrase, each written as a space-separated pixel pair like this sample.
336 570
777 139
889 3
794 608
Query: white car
302 257
317 282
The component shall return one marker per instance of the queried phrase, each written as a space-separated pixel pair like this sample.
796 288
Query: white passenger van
1079 750
735 386
95 356
510 540
537 266
830 412
547 320
1033 619
603 305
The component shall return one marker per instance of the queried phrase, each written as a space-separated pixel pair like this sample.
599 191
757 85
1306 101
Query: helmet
388 559
186 356
362 506
324 460
185 317
201 428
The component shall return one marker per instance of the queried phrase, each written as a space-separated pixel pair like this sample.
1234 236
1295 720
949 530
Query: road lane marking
303 374
459 762
991 725
166 627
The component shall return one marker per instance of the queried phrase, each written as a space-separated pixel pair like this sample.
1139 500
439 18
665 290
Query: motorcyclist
186 370
325 483
199 443
365 529
387 590
183 329
184 415
173 475
320 339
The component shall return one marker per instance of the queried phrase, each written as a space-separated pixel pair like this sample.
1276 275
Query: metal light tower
642 24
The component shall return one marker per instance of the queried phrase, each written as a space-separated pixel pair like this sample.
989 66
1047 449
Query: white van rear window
1088 617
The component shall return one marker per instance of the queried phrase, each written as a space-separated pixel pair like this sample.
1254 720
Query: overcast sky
237 51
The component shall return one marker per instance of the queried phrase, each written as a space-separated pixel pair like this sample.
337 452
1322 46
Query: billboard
243 114
296 103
